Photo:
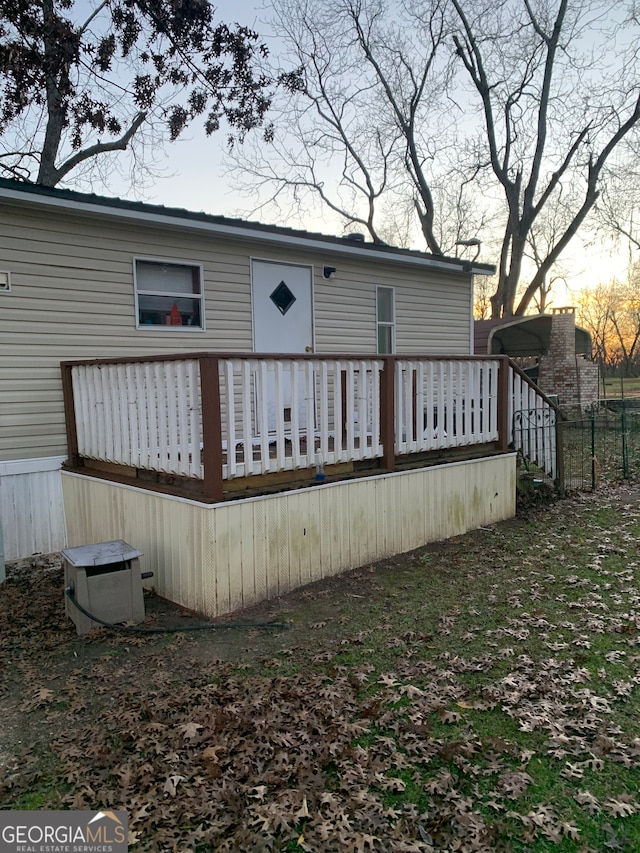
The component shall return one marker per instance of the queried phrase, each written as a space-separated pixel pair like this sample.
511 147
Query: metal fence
602 446
535 436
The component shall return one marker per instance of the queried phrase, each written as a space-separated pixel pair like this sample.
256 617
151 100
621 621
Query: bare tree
79 80
369 126
594 314
483 288
617 210
544 234
539 135
625 319
485 114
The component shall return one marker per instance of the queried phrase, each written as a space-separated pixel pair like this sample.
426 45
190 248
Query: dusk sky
194 178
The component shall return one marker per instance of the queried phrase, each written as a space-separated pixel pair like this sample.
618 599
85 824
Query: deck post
70 414
211 428
387 413
503 405
559 483
418 416
343 403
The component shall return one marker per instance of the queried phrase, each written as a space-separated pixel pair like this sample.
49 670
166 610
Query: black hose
209 626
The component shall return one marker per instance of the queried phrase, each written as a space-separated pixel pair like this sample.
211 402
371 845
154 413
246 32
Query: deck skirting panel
216 559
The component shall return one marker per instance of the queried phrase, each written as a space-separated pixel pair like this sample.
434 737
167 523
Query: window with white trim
168 293
386 320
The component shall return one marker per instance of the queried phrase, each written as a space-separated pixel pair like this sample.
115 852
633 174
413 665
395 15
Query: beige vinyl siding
345 310
73 297
433 317
432 310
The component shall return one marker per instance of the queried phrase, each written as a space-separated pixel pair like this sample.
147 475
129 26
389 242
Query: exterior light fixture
329 272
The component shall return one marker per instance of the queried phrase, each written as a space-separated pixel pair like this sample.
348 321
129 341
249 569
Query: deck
216 425
242 476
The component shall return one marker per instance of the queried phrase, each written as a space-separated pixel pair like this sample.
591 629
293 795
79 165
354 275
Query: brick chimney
562 341
571 377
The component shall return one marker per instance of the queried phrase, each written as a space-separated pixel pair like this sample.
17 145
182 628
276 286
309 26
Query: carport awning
521 336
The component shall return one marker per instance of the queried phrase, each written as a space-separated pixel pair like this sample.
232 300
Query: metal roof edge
226 227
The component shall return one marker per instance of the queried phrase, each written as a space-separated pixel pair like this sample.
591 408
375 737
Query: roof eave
244 232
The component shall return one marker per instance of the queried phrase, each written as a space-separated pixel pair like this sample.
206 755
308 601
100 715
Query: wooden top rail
294 356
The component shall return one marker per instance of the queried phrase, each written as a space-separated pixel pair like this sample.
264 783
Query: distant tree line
611 314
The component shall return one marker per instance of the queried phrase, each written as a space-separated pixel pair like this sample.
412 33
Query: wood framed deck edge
86 473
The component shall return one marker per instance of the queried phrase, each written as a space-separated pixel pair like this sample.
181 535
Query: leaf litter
475 695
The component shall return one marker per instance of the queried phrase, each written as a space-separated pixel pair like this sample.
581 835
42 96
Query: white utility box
106 581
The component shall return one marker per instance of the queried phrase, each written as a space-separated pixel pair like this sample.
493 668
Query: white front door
282 323
281 296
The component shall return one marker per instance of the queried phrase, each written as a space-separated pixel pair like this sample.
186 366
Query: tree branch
557 175
543 105
100 148
92 16
406 125
472 60
591 197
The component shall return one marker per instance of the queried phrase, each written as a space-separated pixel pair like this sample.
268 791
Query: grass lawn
626 387
479 694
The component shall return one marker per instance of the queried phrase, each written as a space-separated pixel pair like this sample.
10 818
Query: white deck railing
285 414
276 414
442 404
140 414
532 421
270 414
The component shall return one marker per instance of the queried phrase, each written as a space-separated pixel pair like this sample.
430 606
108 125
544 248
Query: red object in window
175 317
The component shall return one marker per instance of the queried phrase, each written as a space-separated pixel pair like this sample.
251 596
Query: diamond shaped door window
282 298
